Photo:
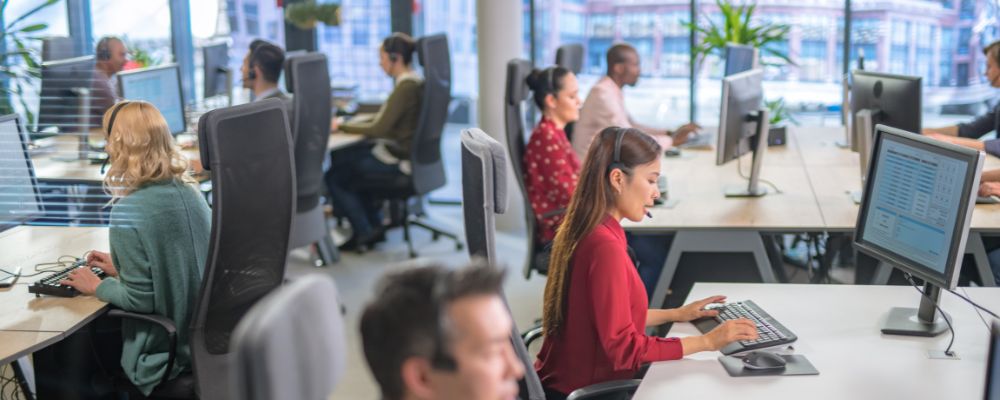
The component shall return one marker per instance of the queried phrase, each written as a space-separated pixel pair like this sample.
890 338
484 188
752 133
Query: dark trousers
650 254
348 166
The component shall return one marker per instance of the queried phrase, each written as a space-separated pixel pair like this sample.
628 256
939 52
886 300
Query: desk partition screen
916 208
161 87
19 199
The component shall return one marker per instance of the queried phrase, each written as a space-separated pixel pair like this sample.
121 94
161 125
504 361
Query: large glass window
146 31
24 100
941 42
352 47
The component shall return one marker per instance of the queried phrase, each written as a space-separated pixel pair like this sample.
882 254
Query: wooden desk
49 168
839 333
14 345
26 246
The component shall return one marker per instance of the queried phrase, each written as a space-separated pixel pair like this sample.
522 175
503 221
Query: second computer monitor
59 100
877 98
743 127
740 58
159 86
215 59
915 214
19 198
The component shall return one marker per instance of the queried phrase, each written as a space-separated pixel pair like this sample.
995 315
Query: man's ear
416 375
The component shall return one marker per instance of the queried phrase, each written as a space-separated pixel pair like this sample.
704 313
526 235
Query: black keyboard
49 285
771 332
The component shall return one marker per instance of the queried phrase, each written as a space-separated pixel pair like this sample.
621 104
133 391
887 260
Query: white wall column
499 27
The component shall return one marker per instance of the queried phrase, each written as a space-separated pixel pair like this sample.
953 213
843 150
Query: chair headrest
570 56
517 89
294 60
492 152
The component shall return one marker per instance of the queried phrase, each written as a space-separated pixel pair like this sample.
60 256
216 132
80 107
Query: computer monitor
218 75
915 215
59 98
993 364
19 198
877 98
740 58
160 86
743 127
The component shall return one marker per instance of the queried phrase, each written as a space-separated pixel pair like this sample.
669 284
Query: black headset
251 74
111 124
441 359
617 161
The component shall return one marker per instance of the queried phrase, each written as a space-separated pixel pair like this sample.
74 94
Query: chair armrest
531 335
166 323
604 388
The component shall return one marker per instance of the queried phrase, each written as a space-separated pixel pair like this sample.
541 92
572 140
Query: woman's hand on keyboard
697 309
731 331
103 261
83 280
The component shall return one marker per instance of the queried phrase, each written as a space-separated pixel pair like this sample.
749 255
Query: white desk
838 329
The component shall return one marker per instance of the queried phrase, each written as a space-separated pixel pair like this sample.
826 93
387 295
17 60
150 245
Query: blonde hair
140 149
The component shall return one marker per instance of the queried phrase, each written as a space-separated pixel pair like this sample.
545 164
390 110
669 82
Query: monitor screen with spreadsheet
19 199
161 87
917 204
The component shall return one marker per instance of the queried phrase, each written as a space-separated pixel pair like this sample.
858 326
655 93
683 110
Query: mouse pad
796 365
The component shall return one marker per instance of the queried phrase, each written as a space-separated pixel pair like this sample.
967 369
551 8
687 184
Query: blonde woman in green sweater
158 237
392 128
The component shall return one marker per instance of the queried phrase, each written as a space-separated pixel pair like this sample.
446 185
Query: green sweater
396 120
159 242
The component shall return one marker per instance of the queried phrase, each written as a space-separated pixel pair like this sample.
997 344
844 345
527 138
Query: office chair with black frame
484 194
246 254
405 193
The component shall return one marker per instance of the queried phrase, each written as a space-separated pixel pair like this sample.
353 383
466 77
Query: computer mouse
761 360
672 152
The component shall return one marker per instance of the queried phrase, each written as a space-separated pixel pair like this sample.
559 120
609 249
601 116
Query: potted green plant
778 118
16 77
306 14
739 28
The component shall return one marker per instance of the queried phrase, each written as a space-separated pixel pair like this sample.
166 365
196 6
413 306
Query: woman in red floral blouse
550 164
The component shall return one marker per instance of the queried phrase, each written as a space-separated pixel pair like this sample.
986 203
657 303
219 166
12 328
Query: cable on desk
739 169
974 303
947 351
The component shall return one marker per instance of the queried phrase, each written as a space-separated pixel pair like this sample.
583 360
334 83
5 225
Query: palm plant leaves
14 78
736 28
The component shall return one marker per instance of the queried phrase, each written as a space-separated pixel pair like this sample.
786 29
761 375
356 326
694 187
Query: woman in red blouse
550 164
595 306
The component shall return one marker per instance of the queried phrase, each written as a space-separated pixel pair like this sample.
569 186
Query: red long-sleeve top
602 337
551 168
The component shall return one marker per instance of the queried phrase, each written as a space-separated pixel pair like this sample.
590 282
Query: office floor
356 276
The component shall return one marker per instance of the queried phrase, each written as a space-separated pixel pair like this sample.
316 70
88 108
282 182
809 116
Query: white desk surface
815 175
838 329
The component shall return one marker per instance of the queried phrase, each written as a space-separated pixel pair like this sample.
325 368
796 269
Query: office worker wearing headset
595 307
968 134
158 235
392 127
111 54
261 70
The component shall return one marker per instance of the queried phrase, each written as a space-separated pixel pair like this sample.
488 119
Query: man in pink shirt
605 105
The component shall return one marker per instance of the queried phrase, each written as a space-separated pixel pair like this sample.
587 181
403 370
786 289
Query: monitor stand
753 189
924 322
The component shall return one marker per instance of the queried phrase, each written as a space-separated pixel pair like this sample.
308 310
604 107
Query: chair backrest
484 193
570 56
248 148
425 155
515 94
306 76
291 344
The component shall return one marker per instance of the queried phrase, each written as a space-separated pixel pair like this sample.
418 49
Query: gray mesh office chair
248 148
425 155
515 94
570 56
291 344
307 77
484 193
